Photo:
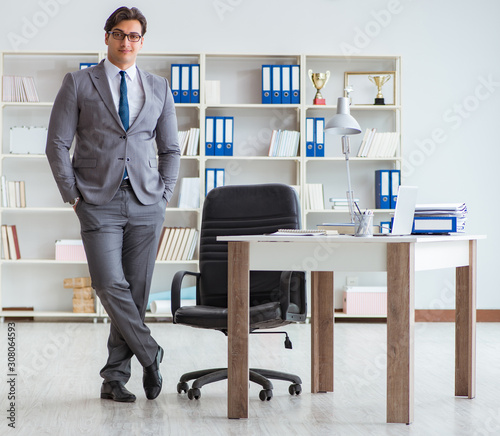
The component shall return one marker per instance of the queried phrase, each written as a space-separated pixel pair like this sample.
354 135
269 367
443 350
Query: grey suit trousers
121 241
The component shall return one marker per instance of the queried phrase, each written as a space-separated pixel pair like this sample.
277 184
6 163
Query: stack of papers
455 211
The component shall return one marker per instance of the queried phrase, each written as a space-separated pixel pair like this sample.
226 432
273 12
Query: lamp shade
343 123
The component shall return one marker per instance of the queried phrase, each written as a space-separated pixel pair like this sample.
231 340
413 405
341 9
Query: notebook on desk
404 212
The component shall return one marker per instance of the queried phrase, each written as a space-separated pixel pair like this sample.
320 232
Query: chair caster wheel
295 389
266 394
194 393
182 387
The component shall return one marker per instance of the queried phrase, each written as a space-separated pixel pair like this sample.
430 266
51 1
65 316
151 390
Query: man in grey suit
119 185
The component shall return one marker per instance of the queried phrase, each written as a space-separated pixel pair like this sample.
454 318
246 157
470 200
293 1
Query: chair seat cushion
210 317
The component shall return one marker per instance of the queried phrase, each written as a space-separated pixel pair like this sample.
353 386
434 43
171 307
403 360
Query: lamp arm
346 149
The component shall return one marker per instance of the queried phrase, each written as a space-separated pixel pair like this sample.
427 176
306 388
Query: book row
177 243
280 84
185 83
13 193
378 144
10 243
284 143
188 141
19 89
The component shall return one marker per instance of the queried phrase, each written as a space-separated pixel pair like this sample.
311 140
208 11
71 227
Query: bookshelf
36 279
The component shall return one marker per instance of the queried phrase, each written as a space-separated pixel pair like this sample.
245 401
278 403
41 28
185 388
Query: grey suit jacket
84 110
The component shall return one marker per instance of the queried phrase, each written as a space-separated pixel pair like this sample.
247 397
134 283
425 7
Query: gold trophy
318 80
379 82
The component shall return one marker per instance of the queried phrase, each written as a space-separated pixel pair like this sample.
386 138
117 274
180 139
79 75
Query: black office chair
276 298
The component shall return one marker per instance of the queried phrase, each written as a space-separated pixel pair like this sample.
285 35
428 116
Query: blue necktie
123 107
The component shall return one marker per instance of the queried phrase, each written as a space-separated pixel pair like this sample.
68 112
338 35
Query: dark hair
125 13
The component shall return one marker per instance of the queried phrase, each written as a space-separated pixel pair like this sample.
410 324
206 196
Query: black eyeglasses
120 36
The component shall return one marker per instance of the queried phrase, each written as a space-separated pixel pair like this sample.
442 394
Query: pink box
365 300
70 249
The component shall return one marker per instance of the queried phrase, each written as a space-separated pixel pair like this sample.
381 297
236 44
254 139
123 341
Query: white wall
451 80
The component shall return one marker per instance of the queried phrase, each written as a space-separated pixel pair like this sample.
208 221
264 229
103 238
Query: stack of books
10 243
378 144
19 89
177 243
440 218
284 143
188 141
341 204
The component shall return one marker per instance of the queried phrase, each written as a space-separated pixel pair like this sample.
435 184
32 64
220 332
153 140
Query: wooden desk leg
465 326
238 322
400 331
322 323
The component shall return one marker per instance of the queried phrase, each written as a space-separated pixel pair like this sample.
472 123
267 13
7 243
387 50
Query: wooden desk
400 257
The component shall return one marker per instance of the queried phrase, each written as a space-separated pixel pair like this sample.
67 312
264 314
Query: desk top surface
340 239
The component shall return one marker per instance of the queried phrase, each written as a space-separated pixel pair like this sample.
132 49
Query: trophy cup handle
327 77
310 75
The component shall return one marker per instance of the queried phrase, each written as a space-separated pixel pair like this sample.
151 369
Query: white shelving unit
36 279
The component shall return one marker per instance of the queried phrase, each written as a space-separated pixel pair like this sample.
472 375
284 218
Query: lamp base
319 101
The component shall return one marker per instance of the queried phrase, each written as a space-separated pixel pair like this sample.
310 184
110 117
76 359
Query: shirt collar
112 70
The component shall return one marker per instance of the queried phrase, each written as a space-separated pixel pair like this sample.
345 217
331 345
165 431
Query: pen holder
365 224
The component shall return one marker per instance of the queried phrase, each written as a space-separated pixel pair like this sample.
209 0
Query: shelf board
345 211
288 158
252 106
351 316
27 104
84 262
360 107
45 314
354 159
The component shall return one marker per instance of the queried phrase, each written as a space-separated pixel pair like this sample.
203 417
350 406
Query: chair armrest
175 296
292 281
285 283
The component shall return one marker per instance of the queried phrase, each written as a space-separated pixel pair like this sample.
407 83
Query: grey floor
57 384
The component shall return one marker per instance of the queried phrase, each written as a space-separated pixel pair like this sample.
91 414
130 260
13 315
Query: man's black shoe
151 378
116 390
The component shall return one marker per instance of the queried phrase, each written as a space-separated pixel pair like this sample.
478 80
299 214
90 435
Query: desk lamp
344 124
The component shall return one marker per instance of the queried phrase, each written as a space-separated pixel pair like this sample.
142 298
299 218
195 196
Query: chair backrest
241 210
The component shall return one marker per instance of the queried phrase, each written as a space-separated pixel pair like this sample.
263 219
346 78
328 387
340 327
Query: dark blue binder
185 83
395 182
382 189
310 137
209 136
266 84
276 84
175 82
319 137
219 136
228 135
295 84
286 96
194 87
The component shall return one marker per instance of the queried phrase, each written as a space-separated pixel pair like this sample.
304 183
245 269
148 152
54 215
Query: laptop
404 212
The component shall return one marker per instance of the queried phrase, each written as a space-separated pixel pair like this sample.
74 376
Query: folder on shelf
295 84
276 84
195 83
434 224
209 180
266 84
175 82
84 65
185 83
285 85
309 137
219 136
382 189
228 136
395 182
319 137
385 227
220 177
209 136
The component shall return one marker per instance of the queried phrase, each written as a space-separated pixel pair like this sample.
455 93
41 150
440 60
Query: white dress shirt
135 91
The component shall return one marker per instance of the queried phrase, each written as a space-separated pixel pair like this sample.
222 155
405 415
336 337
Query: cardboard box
365 300
83 305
